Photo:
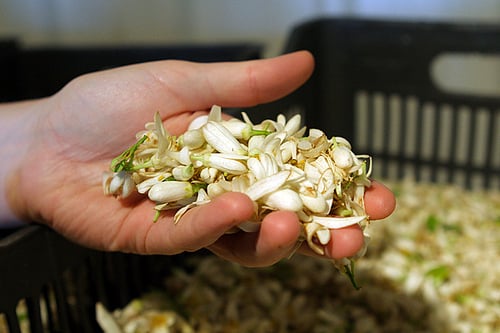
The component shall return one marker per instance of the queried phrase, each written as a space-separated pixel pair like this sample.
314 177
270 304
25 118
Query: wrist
17 124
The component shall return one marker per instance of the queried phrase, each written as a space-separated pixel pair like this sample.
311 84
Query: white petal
323 236
216 189
255 144
106 320
225 164
107 176
198 122
342 157
316 204
315 133
201 199
145 185
288 151
312 172
237 128
269 163
208 175
183 172
338 222
311 229
256 167
117 181
267 185
246 118
128 187
342 142
221 139
249 226
193 139
293 125
284 199
240 184
215 113
170 191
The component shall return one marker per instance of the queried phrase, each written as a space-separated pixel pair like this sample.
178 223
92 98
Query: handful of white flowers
274 163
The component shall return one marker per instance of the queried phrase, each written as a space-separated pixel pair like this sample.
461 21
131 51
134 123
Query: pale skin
55 150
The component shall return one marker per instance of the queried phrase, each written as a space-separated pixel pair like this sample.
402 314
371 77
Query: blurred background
70 22
52 41
422 115
42 23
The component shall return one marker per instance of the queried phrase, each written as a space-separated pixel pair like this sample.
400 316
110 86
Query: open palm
79 130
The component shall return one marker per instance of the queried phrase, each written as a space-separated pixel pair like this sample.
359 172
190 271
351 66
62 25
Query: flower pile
276 163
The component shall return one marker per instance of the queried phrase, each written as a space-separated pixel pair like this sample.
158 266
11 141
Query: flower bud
293 125
342 157
238 128
208 175
223 162
170 191
192 139
267 185
145 185
323 236
284 199
198 122
183 172
317 204
221 139
118 184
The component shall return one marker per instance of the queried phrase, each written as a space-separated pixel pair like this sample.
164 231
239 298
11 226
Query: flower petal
338 222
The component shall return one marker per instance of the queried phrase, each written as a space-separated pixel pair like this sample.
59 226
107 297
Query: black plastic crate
373 85
42 272
8 56
352 57
42 71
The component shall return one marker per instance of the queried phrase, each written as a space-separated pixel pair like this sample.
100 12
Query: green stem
254 132
349 271
126 159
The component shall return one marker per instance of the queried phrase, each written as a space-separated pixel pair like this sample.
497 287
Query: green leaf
439 274
432 223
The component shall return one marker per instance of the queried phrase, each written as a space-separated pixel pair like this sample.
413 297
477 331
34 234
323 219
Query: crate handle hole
467 73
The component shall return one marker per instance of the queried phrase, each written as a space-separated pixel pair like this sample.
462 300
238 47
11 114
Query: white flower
311 229
283 199
267 185
343 157
292 126
162 135
224 162
183 156
272 162
183 172
198 122
118 184
316 204
263 166
145 185
192 139
221 139
208 175
238 128
170 191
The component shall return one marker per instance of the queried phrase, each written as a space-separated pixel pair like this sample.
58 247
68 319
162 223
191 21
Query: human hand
75 133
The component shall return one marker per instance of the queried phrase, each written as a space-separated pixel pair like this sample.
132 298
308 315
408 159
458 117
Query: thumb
232 84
